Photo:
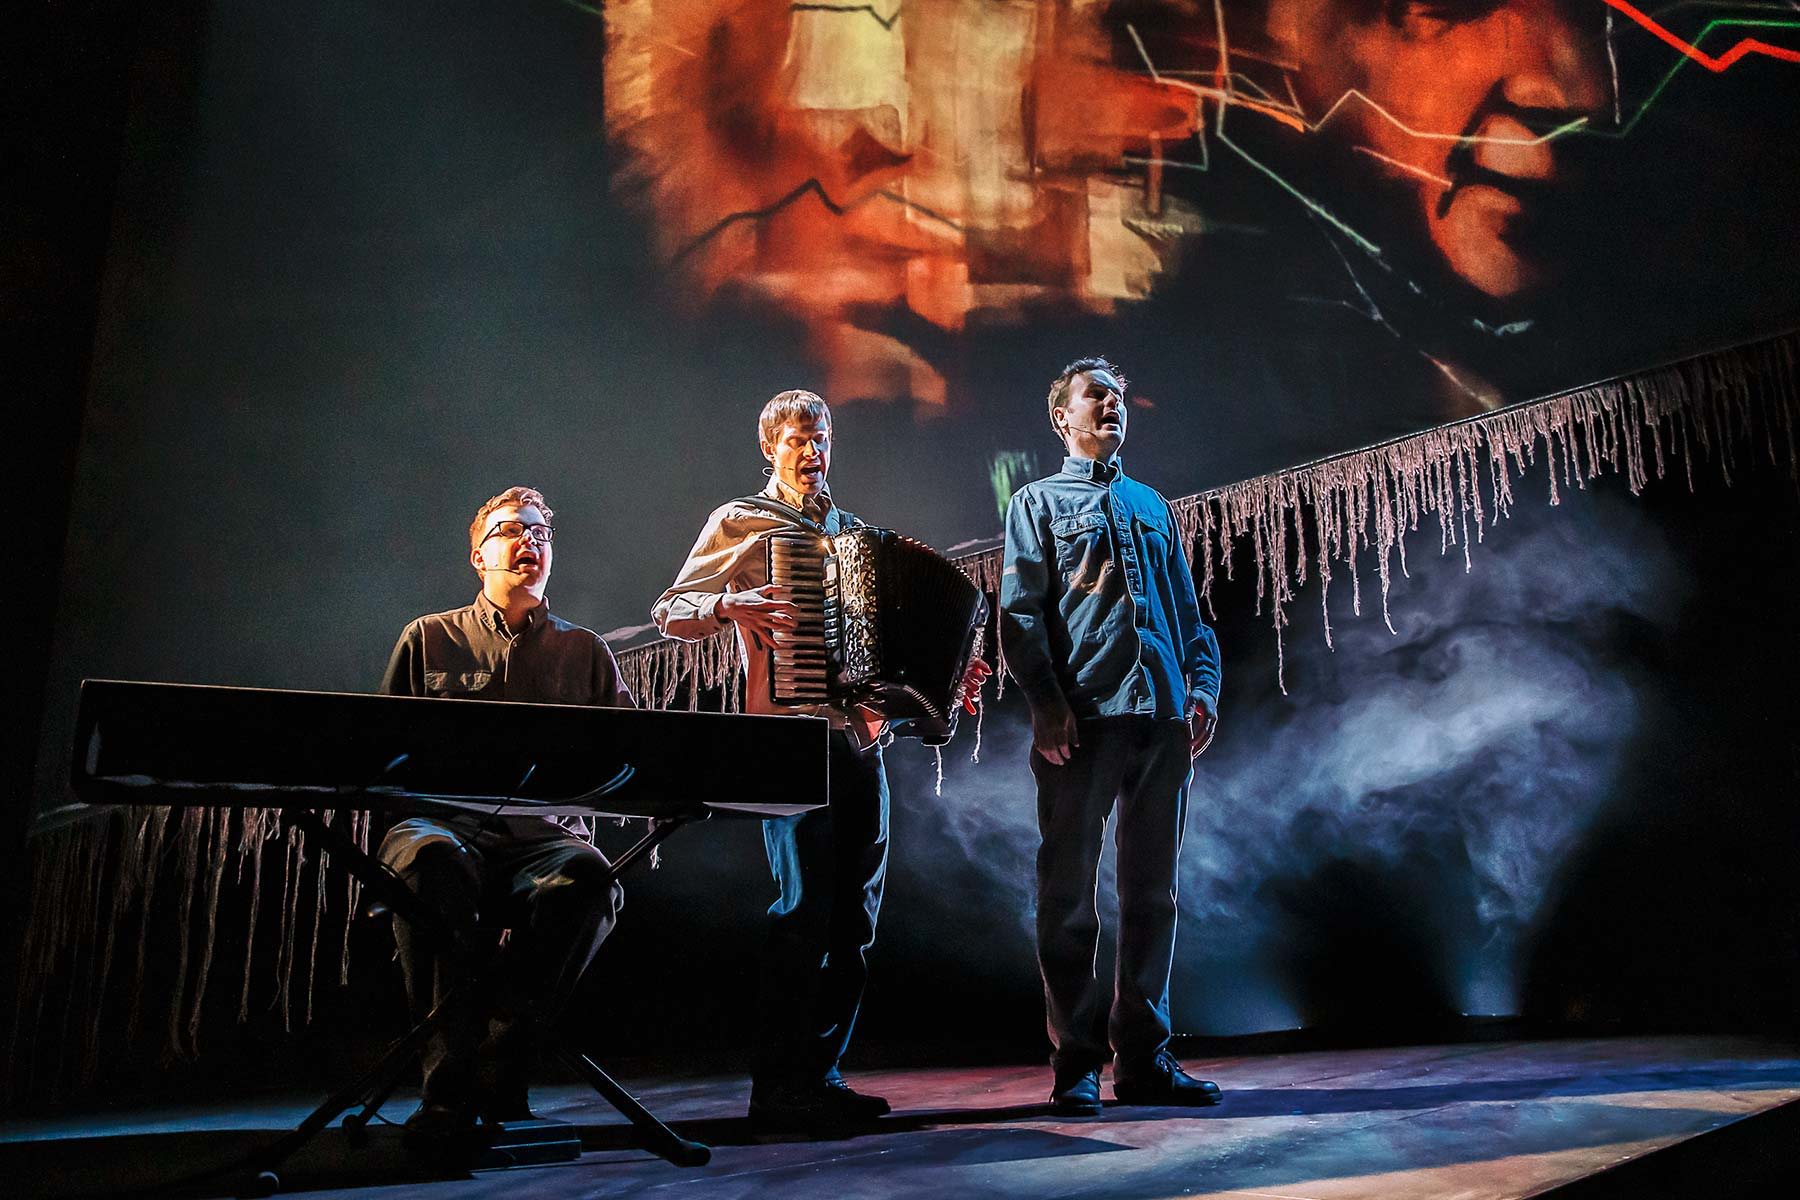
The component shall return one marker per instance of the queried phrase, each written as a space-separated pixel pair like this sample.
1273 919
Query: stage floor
1501 1119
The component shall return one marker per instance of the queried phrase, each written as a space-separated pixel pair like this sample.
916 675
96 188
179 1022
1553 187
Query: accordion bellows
885 622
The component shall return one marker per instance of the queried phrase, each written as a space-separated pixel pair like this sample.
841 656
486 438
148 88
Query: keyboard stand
372 1088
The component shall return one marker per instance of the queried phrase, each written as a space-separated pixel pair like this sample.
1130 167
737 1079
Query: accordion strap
779 508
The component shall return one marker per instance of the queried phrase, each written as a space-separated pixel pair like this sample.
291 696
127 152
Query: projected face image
899 185
1457 107
842 165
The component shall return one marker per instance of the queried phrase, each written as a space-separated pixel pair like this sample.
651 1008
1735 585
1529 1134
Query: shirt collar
1098 472
495 619
780 491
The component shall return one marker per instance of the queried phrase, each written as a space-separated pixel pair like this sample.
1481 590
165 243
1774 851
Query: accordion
885 621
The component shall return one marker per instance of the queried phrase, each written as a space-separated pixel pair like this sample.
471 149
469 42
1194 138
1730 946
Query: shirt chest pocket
1080 538
457 683
1156 540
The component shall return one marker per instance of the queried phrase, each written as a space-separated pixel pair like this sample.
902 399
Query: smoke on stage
1371 848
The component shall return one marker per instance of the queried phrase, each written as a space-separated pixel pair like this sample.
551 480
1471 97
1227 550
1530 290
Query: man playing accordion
829 864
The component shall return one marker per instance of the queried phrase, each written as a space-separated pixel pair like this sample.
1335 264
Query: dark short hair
513 497
1059 387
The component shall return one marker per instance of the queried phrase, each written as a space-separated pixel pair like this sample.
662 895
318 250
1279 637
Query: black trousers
552 891
830 866
1144 766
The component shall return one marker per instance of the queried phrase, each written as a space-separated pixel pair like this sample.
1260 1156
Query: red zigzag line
1747 46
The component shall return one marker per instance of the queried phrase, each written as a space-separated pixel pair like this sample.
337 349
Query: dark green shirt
469 653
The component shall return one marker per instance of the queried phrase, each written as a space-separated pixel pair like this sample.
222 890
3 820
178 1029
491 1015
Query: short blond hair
790 407
512 497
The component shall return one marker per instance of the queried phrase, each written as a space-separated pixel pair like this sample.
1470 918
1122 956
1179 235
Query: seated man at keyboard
539 878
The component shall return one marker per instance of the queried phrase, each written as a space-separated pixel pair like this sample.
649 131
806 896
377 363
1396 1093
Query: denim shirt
1097 600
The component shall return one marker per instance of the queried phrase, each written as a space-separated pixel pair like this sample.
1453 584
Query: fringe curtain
90 879
98 912
1364 503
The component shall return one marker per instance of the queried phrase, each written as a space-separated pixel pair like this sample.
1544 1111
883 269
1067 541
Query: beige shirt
730 556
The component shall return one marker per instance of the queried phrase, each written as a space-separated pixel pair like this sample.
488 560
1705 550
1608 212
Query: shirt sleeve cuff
1043 693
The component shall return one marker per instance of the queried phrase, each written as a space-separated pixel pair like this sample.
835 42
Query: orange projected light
971 163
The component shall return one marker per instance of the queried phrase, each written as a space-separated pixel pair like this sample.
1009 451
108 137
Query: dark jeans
556 895
830 866
1144 764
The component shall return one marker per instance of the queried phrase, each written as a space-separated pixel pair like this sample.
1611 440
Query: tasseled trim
1701 409
97 891
658 673
1371 499
90 879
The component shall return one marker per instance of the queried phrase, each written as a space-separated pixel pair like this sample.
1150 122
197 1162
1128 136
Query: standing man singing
829 864
1102 631
533 875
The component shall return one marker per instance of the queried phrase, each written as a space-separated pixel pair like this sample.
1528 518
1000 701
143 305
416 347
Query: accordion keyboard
802 564
886 624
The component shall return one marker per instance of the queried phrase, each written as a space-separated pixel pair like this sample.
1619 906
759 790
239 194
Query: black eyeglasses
538 532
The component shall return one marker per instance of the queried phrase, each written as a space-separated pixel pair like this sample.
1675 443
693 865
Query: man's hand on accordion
760 611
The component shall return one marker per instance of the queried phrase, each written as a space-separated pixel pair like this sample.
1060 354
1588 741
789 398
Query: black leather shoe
503 1075
440 1133
432 1119
858 1104
1076 1095
822 1107
1162 1081
506 1106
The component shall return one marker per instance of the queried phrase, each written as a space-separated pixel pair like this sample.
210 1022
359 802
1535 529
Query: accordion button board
884 622
803 564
